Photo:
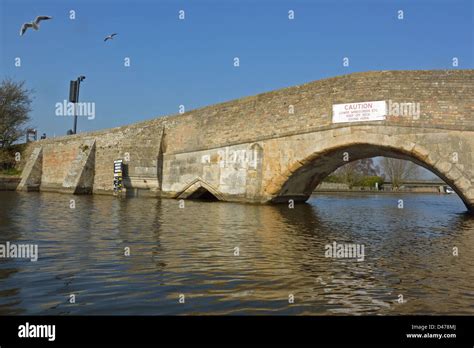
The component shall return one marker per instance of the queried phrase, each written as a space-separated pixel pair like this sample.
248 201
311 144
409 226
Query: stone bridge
274 146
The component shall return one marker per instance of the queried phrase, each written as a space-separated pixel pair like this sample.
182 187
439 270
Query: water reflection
191 251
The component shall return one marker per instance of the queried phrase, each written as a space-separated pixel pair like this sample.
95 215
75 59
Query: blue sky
190 62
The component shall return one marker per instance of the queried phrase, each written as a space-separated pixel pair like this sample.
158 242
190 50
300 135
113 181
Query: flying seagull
110 37
34 24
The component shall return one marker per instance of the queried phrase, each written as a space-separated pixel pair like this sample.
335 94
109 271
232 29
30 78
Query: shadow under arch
199 189
301 183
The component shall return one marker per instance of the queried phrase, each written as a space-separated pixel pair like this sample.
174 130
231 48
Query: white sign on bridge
359 112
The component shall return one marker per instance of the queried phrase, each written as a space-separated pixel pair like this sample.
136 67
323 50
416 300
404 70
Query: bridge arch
199 189
314 159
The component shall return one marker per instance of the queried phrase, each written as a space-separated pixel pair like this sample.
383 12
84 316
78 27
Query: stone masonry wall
446 102
139 142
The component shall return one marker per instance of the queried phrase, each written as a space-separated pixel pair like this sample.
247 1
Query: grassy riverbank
11 172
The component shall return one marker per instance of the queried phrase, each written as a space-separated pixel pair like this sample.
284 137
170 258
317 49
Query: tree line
365 173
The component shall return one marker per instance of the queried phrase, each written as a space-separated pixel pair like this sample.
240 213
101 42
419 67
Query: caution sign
359 112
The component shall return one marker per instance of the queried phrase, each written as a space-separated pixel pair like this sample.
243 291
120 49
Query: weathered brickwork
278 145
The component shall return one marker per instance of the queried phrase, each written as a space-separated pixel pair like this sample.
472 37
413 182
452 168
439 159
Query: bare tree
15 104
351 173
398 171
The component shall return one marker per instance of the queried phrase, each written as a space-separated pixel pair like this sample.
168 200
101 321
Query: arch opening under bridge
311 170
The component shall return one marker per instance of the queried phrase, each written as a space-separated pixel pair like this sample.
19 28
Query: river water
192 251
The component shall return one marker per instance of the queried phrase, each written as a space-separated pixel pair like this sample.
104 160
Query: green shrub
10 171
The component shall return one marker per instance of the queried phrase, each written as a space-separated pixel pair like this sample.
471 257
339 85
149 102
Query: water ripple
281 254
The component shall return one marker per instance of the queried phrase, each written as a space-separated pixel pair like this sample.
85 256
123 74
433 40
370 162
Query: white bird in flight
34 24
110 37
